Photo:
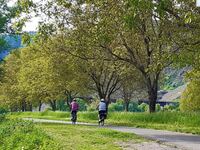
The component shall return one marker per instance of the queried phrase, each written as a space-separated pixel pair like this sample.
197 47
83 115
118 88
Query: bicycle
102 117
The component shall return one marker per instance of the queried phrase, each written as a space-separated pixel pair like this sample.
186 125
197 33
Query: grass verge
23 135
174 121
87 138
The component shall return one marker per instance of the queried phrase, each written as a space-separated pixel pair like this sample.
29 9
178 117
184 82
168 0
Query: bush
143 107
120 102
62 106
82 104
158 107
171 107
133 107
2 117
3 110
116 107
190 100
93 106
17 134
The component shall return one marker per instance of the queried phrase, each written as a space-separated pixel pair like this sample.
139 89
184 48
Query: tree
190 98
142 34
48 73
6 15
10 95
105 79
132 86
145 34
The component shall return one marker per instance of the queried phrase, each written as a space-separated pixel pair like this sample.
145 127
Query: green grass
175 121
17 134
82 116
23 135
87 138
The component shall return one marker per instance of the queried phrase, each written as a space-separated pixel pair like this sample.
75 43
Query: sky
198 3
32 24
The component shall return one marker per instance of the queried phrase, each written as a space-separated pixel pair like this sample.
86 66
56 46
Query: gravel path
181 141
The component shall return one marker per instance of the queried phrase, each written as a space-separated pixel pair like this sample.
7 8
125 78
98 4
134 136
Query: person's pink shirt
74 106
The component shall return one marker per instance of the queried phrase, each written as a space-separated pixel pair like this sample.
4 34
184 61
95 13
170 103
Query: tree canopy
99 45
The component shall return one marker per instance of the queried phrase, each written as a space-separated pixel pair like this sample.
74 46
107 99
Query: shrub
62 106
171 107
133 107
143 107
93 106
120 102
116 107
3 110
82 104
190 100
158 107
17 134
2 117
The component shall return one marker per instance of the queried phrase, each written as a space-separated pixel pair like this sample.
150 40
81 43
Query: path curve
181 140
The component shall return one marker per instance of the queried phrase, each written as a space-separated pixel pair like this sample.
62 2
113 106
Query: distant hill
13 41
173 78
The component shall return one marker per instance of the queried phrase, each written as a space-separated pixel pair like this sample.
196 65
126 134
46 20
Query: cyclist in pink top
74 108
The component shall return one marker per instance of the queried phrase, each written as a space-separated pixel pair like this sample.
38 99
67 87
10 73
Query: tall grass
18 134
176 118
178 121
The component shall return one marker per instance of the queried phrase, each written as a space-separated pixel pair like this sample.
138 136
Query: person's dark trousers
74 115
102 113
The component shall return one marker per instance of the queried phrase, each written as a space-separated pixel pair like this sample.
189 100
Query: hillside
13 43
173 78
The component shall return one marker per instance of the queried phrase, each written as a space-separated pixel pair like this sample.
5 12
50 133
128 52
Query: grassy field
23 135
87 138
16 134
175 121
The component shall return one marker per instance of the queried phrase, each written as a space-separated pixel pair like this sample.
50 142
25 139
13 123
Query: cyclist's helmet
102 100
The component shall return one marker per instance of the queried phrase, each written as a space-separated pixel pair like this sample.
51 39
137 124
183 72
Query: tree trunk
23 106
53 105
31 107
40 105
126 106
152 93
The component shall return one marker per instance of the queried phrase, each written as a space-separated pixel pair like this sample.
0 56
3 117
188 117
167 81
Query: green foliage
115 107
171 107
7 13
93 105
190 100
41 72
143 107
133 107
82 104
158 107
2 117
120 101
3 110
17 134
62 106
